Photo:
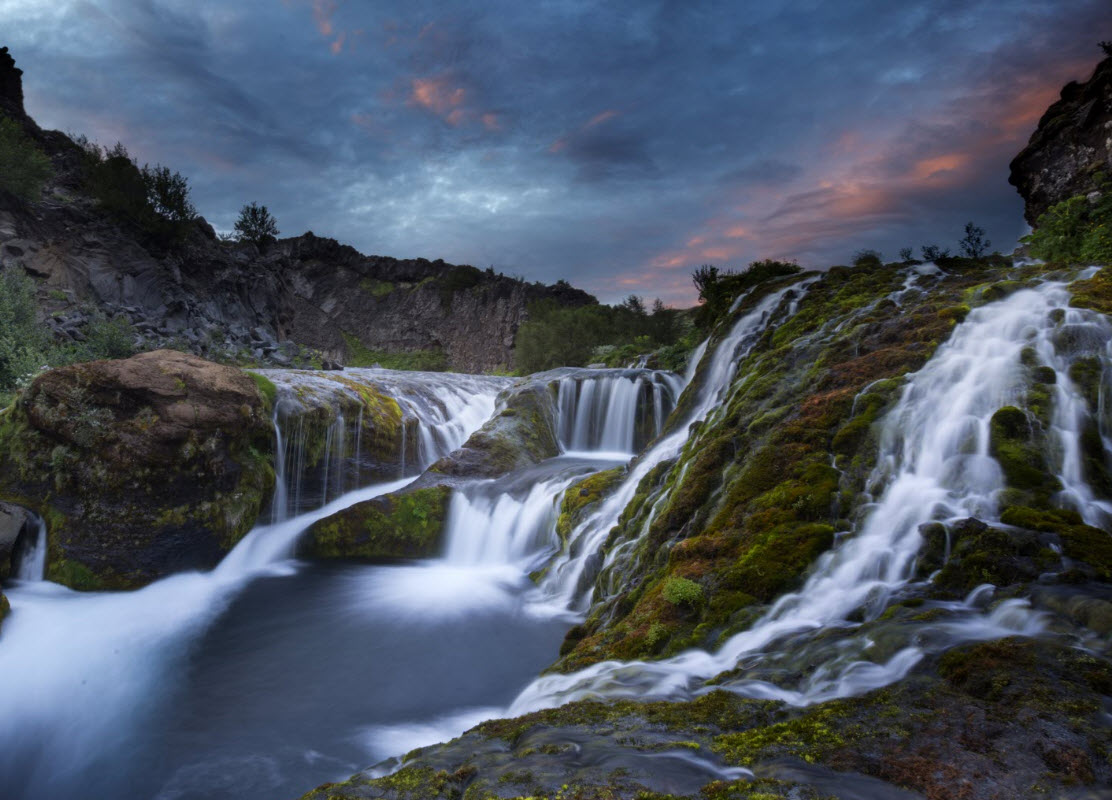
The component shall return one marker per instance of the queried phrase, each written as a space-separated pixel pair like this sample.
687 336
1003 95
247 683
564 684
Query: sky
615 144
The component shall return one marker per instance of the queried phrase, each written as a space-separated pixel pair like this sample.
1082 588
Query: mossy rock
583 496
1094 293
521 434
5 609
405 524
1080 542
979 554
140 467
1013 443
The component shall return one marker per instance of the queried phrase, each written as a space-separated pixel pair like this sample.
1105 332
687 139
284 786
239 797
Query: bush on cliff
24 168
1078 230
24 342
718 289
153 199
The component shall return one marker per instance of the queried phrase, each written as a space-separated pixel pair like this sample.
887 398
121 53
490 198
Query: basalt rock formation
1071 146
140 467
226 300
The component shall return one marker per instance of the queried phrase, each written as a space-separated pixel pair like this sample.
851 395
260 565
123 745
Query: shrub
559 336
974 244
906 254
867 258
932 252
24 167
718 290
154 199
24 343
256 225
1075 230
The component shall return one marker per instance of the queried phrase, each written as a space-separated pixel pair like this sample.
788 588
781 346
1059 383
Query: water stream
267 676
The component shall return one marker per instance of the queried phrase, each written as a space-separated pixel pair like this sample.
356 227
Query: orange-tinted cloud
600 118
436 94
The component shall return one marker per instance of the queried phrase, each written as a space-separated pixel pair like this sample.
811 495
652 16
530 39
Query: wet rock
406 524
521 433
13 520
140 467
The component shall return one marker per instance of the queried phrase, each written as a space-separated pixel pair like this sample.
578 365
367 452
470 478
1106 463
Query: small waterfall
32 564
614 410
934 464
327 442
488 526
569 575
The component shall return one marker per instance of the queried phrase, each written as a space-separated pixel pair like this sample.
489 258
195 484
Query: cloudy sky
614 143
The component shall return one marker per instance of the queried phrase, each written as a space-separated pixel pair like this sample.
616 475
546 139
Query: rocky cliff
1070 147
235 301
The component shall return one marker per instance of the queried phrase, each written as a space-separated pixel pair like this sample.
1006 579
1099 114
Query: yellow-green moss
403 525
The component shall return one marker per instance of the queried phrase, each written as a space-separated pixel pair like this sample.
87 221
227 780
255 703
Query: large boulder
140 467
1071 146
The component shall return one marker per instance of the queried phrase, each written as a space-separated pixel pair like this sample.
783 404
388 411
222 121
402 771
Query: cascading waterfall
614 410
444 408
92 668
569 576
934 465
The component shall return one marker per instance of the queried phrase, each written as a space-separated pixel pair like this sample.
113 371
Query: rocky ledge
140 467
1070 148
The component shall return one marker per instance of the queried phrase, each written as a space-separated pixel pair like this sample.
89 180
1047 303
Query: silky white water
613 410
934 464
567 578
85 671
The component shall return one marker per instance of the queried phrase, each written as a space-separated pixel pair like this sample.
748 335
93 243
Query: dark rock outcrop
234 301
1070 147
140 467
11 85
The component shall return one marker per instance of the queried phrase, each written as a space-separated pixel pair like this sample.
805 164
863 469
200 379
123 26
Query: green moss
5 608
359 355
75 575
582 496
377 288
683 592
1080 542
402 525
1094 293
1013 445
1086 374
267 390
810 737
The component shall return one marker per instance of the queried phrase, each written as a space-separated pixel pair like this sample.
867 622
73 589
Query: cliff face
216 296
1072 143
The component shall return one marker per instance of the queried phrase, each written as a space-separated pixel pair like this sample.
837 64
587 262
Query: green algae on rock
139 467
405 524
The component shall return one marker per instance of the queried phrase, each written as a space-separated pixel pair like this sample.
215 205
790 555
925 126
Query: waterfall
32 564
934 464
568 576
489 526
324 433
613 410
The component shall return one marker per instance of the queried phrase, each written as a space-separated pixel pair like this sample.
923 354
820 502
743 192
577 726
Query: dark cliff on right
1070 152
